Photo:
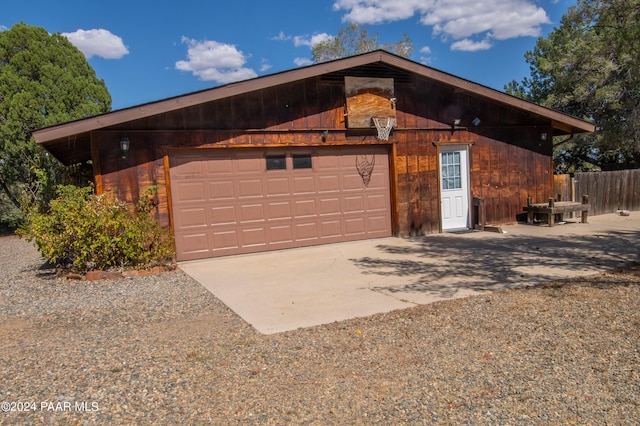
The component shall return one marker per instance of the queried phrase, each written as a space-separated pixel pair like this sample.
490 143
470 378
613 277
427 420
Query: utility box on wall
368 97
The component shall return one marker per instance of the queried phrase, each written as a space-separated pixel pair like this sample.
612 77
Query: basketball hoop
384 129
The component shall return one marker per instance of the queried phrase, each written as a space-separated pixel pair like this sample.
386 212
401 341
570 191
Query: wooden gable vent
368 97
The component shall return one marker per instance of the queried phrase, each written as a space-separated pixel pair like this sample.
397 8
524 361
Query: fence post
585 213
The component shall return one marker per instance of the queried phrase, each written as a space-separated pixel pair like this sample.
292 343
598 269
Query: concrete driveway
289 289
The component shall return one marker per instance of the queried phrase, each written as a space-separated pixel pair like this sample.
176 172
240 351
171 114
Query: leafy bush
84 231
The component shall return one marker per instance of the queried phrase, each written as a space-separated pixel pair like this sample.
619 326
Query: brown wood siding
505 175
508 161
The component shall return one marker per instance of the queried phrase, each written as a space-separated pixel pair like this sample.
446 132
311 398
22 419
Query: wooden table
553 208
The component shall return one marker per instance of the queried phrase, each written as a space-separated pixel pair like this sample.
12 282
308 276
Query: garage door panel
328 184
193 217
376 202
252 213
303 185
378 181
305 208
250 188
281 234
226 202
224 240
354 226
331 228
277 187
219 166
354 204
221 190
190 192
243 165
327 163
253 237
279 210
377 224
330 206
190 167
352 182
306 231
223 215
194 243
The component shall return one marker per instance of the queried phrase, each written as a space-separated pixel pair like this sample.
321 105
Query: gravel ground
162 350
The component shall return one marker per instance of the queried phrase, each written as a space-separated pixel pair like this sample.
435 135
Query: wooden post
585 213
481 215
530 211
551 216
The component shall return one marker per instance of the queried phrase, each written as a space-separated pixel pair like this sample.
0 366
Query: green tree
589 67
355 39
44 80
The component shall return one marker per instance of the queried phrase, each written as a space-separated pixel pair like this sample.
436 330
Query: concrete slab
289 289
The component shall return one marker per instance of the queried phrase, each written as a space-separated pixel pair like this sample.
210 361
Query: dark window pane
277 162
302 162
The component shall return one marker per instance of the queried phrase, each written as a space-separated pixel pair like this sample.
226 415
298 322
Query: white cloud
425 53
281 37
470 45
214 61
265 65
310 41
302 62
98 42
455 19
377 11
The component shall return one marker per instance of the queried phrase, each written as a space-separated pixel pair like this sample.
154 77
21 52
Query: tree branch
5 188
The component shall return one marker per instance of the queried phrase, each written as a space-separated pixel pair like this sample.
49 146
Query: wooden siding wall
505 175
507 165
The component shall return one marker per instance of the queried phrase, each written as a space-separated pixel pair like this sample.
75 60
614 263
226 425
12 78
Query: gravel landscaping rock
160 349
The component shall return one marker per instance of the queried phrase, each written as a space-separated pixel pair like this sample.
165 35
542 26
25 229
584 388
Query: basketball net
384 130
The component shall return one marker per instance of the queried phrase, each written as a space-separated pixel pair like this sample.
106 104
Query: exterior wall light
543 136
125 144
455 124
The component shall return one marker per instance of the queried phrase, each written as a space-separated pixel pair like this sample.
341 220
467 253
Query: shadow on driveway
288 289
447 265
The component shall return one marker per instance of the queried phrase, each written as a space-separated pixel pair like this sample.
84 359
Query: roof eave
184 101
566 123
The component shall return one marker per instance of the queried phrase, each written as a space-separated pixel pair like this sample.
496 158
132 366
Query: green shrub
84 231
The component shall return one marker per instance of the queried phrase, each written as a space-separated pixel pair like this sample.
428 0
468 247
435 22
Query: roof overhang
76 134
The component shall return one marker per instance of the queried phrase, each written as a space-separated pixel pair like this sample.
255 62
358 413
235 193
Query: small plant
83 231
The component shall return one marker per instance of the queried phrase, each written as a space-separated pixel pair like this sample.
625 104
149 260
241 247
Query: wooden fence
607 191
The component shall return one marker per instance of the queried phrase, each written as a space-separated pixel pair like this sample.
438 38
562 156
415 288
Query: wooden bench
553 208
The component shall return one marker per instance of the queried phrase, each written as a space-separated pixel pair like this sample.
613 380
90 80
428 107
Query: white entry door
454 187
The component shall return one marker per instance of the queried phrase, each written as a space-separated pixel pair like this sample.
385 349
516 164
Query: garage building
363 147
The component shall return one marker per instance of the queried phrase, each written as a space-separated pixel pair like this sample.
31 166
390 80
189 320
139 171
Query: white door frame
454 212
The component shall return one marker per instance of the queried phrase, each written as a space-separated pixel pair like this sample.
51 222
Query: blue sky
152 50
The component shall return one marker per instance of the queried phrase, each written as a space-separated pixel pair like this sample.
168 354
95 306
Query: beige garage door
242 201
